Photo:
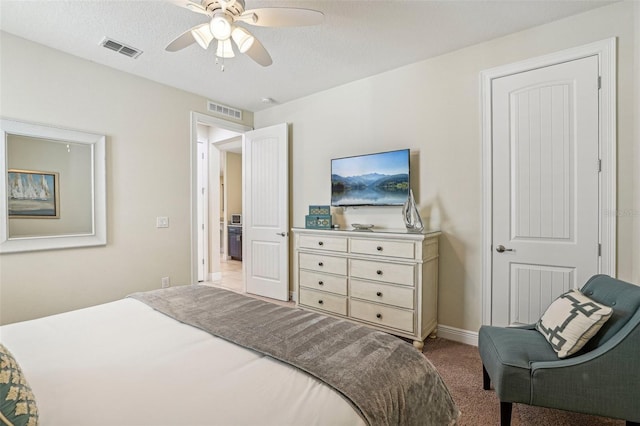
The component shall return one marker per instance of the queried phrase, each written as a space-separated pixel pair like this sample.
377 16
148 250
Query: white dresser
385 279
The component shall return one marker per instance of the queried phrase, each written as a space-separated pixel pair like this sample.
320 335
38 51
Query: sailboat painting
33 194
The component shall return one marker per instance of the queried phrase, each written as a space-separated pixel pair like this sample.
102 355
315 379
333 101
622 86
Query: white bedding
123 363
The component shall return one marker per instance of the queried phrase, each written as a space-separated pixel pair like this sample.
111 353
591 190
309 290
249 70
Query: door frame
203 151
208 120
606 52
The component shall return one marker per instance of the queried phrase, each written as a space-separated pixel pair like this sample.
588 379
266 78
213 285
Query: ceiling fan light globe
244 40
220 27
202 35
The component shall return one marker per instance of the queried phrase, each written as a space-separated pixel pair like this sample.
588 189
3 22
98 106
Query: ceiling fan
226 15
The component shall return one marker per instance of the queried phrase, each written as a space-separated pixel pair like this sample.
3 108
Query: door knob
282 234
501 249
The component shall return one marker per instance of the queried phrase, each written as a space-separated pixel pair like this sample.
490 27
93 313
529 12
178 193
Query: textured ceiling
357 39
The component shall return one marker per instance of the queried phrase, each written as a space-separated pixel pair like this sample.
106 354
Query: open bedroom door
266 212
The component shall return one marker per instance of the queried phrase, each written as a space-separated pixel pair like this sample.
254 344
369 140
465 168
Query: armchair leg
505 413
486 380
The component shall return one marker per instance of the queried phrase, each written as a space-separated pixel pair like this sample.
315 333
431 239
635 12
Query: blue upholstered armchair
601 379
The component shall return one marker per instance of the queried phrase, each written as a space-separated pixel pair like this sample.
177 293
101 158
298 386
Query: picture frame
33 194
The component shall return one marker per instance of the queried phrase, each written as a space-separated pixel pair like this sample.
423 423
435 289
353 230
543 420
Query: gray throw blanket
386 379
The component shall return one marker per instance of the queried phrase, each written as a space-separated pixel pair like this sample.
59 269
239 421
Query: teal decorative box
318 221
319 210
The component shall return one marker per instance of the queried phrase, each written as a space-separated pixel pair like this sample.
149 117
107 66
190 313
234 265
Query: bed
198 355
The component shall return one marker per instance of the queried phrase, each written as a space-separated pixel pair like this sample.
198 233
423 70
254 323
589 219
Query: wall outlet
162 222
165 282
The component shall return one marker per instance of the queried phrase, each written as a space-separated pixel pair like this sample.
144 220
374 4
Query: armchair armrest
597 379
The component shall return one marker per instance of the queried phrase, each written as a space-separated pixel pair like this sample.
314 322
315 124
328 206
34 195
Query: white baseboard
293 296
458 335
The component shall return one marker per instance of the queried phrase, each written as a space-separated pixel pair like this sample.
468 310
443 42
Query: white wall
433 107
148 174
234 184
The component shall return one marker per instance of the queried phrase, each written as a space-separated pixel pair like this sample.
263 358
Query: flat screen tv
380 179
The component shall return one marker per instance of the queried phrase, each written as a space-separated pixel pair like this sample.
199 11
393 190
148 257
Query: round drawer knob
379 272
379 316
320 243
379 248
320 302
320 282
320 264
379 294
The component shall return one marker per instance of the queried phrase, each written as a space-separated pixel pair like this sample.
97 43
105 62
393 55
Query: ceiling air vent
116 46
234 113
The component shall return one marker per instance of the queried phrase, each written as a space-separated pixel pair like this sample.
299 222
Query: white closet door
545 187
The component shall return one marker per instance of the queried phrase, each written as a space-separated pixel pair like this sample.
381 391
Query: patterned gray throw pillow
571 320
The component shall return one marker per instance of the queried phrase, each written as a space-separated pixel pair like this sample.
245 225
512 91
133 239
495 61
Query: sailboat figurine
410 214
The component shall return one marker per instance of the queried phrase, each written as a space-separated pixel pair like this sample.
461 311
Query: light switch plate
162 222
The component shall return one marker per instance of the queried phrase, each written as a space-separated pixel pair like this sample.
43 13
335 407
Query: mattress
123 363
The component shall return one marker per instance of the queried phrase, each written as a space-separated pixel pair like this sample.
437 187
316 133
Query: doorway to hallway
213 140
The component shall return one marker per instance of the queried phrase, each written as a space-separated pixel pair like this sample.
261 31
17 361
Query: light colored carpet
461 369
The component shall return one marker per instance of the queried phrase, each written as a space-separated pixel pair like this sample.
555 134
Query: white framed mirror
53 188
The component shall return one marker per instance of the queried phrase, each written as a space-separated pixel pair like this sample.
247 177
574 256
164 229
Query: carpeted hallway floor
461 368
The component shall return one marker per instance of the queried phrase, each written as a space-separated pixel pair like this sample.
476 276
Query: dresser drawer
401 297
322 263
382 315
325 301
325 282
320 242
402 249
396 273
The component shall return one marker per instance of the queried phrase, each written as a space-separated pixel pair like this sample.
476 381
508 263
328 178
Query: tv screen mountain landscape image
370 180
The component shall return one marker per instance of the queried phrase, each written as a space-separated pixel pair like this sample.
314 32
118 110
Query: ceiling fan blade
258 53
192 6
282 17
183 40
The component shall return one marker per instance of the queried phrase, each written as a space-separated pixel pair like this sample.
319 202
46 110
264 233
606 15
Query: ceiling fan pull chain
220 61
